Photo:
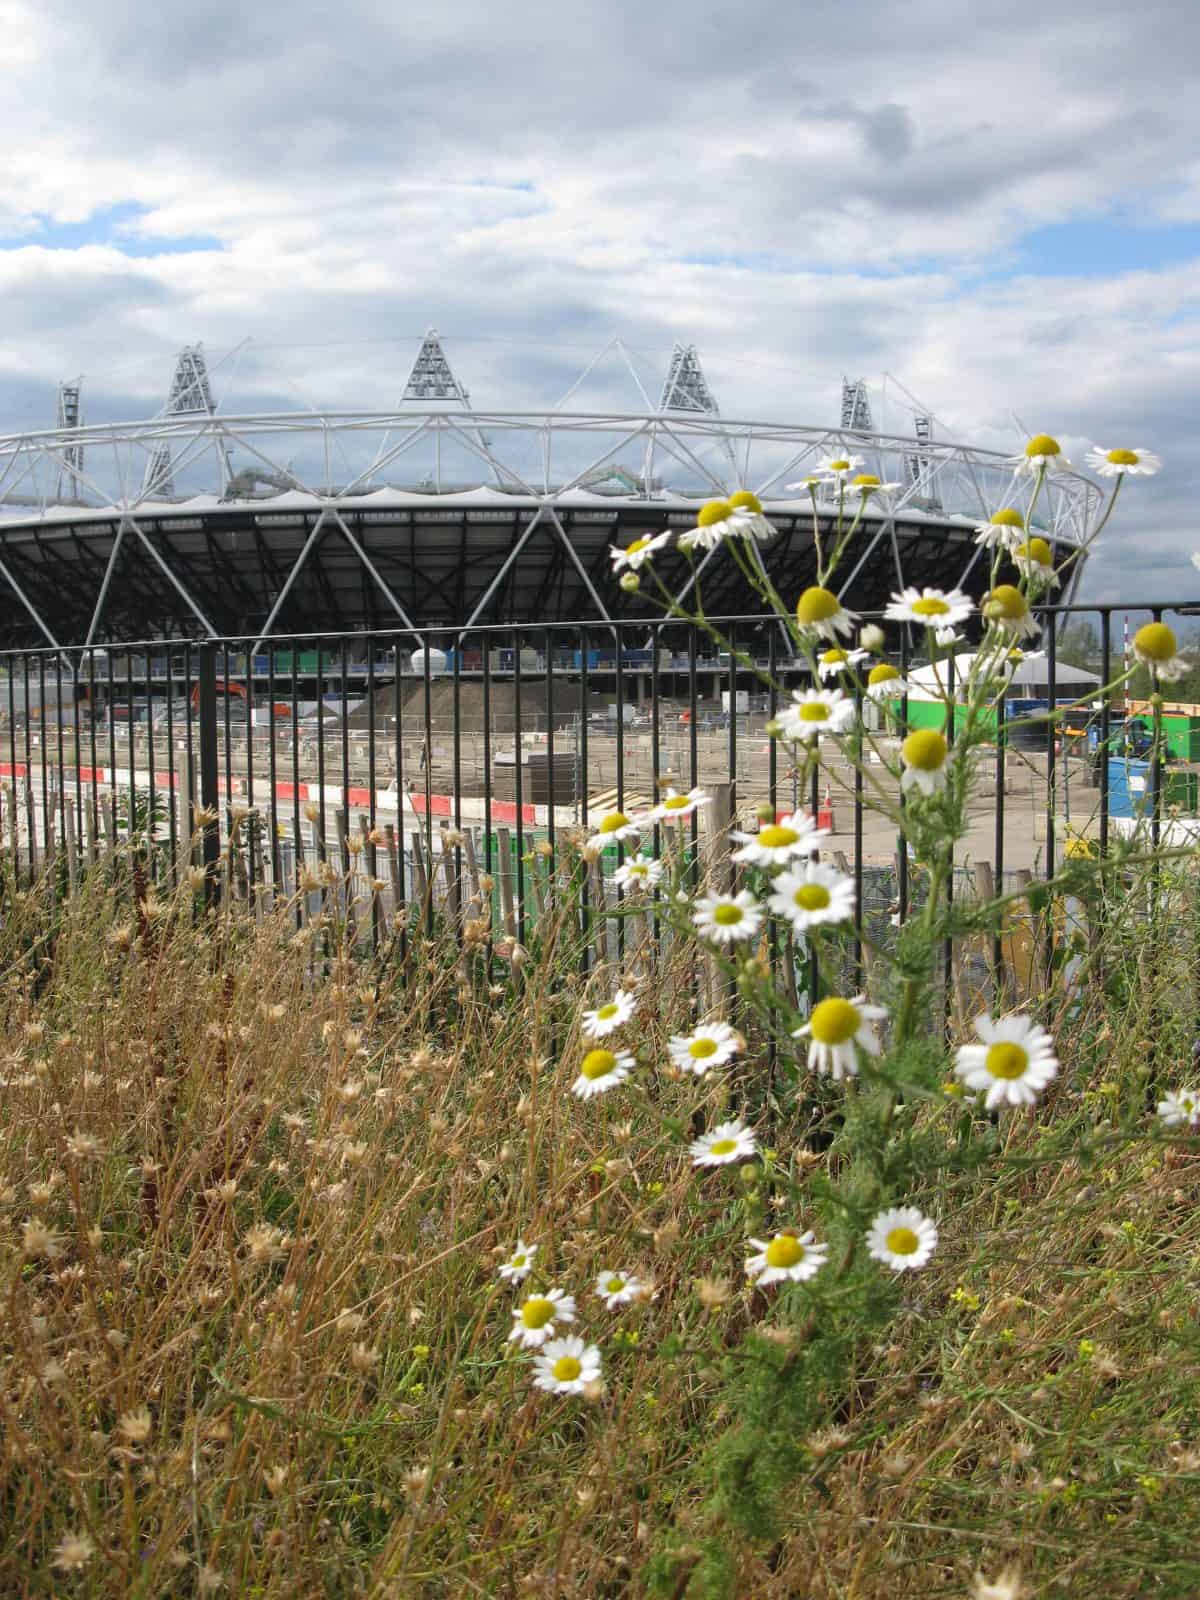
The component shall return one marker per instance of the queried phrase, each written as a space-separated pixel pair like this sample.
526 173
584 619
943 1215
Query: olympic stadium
195 522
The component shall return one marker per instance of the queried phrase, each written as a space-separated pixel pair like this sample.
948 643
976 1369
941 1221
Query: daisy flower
676 807
813 712
1183 1107
613 825
837 1029
643 872
566 1366
520 1264
787 1258
617 1288
726 918
1155 647
872 638
613 1014
821 615
932 608
710 1045
812 483
834 660
839 467
728 1141
945 637
884 682
902 1238
1115 463
534 1319
1009 609
777 843
868 483
600 1071
748 516
1004 528
715 521
1014 1063
1043 453
637 553
924 756
1034 560
809 896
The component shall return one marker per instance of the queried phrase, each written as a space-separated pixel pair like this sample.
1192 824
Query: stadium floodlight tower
856 407
69 419
191 392
686 388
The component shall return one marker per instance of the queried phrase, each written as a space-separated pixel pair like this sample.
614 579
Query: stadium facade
437 512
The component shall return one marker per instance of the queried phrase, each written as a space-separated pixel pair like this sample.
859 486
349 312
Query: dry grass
254 1341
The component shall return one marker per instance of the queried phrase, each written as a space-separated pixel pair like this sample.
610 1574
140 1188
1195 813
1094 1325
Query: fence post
209 765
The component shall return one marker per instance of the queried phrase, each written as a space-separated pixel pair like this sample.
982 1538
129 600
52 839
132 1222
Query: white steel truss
552 462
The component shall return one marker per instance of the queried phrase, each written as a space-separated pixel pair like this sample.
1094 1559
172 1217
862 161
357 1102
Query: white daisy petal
728 1141
813 712
787 1258
1180 1108
837 1030
677 807
600 1071
610 1016
618 1288
566 1366
614 826
520 1264
726 918
710 1045
535 1320
1014 1063
1119 463
930 608
808 896
777 843
642 872
902 1238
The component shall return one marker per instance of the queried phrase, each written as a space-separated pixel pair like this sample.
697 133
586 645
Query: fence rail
398 783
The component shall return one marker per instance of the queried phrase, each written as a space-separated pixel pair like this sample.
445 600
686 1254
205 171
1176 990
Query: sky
1001 210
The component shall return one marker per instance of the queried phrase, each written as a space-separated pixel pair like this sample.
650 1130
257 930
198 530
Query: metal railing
343 759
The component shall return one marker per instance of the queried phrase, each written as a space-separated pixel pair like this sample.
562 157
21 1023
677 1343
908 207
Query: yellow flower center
743 500
715 511
536 1313
812 897
902 1242
1007 603
932 605
834 1021
518 1261
833 658
728 915
614 1285
566 1369
776 837
1036 550
883 673
1155 641
676 802
817 605
598 1064
1007 518
926 750
814 711
701 1049
638 544
723 1147
784 1251
613 821
1043 444
1006 1060
839 466
866 481
1123 458
607 1011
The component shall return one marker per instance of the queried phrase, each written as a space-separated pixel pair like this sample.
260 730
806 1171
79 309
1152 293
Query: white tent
1029 679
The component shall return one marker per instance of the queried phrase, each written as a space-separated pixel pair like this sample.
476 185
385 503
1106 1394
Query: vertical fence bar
30 813
400 909
78 752
92 745
1105 723
1051 777
427 768
1156 760
619 663
209 768
372 814
585 784
191 705
273 779
902 840
321 814
860 757
172 797
519 790
998 839
252 826
150 792
46 808
297 829
948 945
773 804
10 672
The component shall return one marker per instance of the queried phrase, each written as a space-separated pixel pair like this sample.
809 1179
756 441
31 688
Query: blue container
1128 787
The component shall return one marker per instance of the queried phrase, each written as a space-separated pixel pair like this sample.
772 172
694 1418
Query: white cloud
805 191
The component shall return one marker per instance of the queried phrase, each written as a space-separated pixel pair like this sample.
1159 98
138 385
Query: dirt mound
564 704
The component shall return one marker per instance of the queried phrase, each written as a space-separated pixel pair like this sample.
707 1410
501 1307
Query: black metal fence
395 763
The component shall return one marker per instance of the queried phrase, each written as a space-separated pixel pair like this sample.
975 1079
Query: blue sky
1008 224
